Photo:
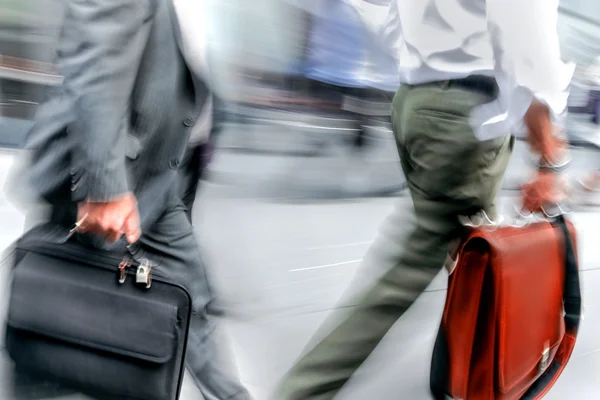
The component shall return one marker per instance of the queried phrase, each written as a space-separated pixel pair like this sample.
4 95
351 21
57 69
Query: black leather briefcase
95 321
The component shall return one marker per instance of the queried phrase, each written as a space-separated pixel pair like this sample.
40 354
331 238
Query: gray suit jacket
121 120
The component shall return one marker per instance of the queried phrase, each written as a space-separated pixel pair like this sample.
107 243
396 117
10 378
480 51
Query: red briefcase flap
529 272
504 313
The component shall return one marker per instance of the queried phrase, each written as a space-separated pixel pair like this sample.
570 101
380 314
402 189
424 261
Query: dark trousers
192 170
208 359
172 241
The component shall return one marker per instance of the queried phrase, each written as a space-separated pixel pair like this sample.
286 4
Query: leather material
114 341
511 316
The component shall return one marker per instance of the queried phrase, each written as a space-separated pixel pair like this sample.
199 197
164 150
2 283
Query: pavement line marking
335 246
587 353
326 265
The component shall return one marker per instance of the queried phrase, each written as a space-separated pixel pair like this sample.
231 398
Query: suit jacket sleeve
100 53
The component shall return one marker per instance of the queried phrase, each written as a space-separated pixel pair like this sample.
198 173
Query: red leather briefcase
511 316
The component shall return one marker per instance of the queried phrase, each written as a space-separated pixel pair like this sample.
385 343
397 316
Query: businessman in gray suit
107 145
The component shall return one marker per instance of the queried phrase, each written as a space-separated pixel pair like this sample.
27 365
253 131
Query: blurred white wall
266 35
29 28
579 30
262 34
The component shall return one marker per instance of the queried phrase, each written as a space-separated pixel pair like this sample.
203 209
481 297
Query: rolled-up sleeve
528 61
100 53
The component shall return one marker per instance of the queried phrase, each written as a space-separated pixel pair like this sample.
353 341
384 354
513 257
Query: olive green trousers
449 173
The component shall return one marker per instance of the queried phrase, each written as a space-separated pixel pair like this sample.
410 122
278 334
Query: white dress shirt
515 41
194 38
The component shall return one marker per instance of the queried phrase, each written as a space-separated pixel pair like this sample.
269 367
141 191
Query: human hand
110 220
546 188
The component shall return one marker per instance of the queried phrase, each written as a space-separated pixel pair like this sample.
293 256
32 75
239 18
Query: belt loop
445 84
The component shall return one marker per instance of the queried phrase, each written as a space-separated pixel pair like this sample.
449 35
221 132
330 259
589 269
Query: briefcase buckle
143 275
123 266
545 361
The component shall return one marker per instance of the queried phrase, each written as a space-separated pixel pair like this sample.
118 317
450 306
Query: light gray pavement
282 266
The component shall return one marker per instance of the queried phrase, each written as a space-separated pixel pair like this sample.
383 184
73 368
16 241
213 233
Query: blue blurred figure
343 62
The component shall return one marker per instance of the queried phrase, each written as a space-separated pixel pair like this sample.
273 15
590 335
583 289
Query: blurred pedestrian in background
345 67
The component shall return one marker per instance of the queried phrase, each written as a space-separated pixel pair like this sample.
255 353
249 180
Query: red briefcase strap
572 308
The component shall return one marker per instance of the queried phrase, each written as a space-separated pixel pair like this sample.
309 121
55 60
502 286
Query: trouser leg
190 176
322 372
172 244
449 173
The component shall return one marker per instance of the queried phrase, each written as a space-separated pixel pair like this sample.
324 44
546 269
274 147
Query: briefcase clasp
545 361
143 275
123 265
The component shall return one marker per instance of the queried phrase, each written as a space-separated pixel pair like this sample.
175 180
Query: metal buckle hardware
143 274
545 361
123 265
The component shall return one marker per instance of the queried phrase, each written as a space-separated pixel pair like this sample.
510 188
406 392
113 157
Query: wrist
554 155
554 165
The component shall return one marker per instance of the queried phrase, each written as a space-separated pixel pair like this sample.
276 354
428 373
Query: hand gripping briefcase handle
136 256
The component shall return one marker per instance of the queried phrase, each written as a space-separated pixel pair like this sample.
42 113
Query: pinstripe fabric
120 121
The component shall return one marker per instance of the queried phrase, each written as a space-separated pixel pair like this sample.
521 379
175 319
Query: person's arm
528 60
99 55
529 67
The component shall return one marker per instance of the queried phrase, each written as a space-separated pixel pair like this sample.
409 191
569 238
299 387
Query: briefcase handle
134 249
520 219
133 257
143 275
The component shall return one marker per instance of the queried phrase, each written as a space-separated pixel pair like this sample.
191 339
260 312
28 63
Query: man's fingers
110 220
113 236
117 223
541 193
132 228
